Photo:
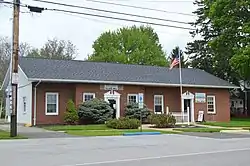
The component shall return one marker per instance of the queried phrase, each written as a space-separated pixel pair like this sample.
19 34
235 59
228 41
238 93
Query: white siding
24 90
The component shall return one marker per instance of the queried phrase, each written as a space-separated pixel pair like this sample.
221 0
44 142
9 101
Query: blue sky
36 29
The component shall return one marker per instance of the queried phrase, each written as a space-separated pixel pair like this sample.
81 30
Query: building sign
200 97
110 87
140 96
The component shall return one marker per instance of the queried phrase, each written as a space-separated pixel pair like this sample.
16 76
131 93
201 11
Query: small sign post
201 116
140 100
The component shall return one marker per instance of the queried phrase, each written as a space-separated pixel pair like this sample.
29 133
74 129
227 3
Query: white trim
214 104
19 67
132 94
5 78
116 96
83 95
162 102
57 103
133 83
189 96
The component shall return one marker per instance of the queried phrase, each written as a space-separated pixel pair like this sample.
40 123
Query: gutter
34 118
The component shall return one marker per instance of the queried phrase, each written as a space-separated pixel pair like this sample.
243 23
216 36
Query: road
161 150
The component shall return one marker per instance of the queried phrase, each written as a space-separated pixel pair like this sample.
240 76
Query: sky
82 30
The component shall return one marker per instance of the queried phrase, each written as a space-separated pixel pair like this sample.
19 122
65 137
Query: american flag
176 61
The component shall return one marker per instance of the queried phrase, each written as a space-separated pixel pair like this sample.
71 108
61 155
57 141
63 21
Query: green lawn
206 130
96 130
76 127
235 122
6 135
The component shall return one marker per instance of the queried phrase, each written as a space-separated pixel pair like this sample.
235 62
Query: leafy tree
71 115
241 63
56 49
204 54
129 45
224 27
175 52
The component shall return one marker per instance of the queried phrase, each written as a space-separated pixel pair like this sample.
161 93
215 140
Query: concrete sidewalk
35 132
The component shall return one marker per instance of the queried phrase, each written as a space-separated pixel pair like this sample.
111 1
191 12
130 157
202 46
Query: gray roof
74 70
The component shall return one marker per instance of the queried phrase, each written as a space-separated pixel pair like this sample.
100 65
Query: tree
129 45
175 52
211 53
224 27
55 49
241 63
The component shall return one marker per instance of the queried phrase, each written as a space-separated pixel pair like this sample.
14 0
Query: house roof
100 72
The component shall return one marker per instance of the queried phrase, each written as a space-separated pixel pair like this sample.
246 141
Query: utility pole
14 71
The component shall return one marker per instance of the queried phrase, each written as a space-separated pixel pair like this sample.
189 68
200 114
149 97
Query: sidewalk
35 132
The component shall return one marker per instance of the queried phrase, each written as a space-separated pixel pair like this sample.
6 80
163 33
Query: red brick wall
66 92
171 99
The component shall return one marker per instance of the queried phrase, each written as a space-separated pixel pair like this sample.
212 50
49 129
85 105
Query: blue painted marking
141 133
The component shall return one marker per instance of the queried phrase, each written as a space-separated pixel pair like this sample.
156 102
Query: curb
141 133
234 131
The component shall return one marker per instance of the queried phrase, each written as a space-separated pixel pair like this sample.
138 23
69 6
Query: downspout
34 118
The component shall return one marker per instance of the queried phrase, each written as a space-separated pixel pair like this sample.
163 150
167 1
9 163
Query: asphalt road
162 150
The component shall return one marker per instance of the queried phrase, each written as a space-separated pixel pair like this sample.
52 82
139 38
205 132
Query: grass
97 130
109 132
204 130
235 122
76 127
6 135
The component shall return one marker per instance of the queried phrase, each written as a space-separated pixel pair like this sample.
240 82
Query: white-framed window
211 104
88 96
132 98
158 104
24 105
52 103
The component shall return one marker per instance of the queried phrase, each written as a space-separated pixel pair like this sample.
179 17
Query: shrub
162 120
133 111
71 116
95 111
123 123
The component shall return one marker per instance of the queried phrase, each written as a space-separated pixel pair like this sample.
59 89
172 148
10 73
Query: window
88 96
211 104
132 98
24 105
158 103
51 104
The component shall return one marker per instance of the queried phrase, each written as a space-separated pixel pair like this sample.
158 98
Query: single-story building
45 86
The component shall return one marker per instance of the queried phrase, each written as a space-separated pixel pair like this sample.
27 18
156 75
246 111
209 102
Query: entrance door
112 104
187 103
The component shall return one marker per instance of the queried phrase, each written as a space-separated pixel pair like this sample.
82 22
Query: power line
122 19
40 9
108 11
138 7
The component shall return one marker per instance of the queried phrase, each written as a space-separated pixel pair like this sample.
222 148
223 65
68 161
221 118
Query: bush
95 111
71 116
162 120
133 111
123 123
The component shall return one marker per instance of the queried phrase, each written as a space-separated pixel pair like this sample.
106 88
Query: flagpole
182 111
